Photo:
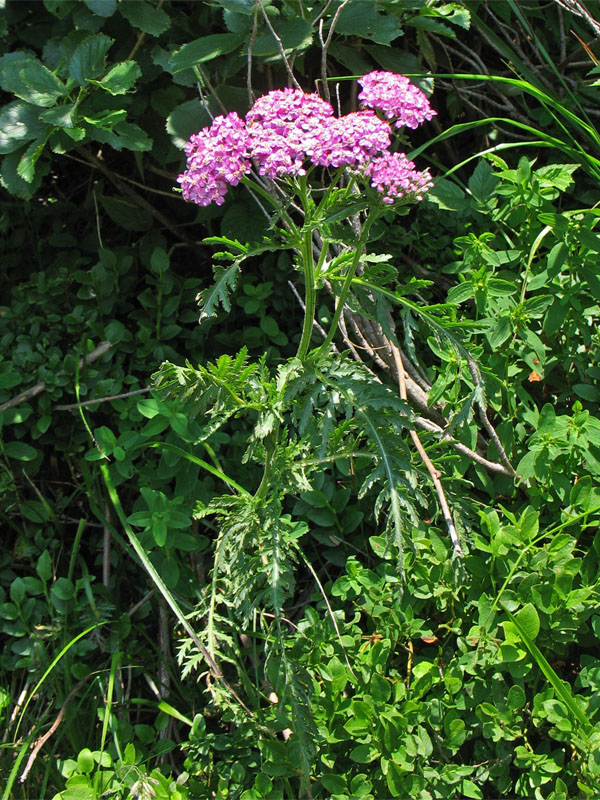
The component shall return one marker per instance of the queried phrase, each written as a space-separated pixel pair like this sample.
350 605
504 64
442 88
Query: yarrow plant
289 137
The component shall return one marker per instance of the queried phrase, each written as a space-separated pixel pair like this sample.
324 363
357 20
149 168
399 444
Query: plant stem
310 294
371 217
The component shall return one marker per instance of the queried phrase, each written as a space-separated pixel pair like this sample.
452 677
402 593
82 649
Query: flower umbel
284 126
217 157
395 176
397 97
350 140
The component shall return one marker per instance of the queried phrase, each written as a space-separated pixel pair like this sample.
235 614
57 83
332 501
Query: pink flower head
284 126
350 140
395 176
217 157
397 97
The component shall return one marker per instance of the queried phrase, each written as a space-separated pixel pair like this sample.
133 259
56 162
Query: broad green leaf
204 49
186 119
145 17
103 8
63 589
62 116
21 451
121 78
294 34
19 123
44 83
500 333
447 195
13 182
126 213
483 181
458 294
130 136
360 18
529 620
44 566
88 59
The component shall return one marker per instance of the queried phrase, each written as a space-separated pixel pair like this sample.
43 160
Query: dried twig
97 400
435 475
289 71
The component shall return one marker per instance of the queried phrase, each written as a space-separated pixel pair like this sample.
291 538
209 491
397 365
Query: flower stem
371 217
310 294
308 265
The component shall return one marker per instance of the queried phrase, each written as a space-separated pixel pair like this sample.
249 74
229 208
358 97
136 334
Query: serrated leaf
121 78
483 181
360 18
26 168
88 59
103 8
13 182
218 294
447 195
557 175
60 116
42 81
204 49
19 123
145 17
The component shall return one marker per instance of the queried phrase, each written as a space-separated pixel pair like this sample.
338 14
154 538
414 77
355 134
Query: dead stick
435 475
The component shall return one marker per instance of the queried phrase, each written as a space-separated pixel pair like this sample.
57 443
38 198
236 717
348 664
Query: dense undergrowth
227 571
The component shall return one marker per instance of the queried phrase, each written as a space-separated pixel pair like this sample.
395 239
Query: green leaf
126 135
19 123
103 8
500 333
460 293
85 760
45 85
483 181
88 59
186 119
294 34
11 79
145 17
447 196
587 392
562 690
21 451
63 589
44 566
126 214
529 620
204 49
218 294
26 168
62 116
360 18
13 182
121 78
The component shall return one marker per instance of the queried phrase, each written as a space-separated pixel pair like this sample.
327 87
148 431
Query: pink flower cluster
217 157
395 176
286 130
397 97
